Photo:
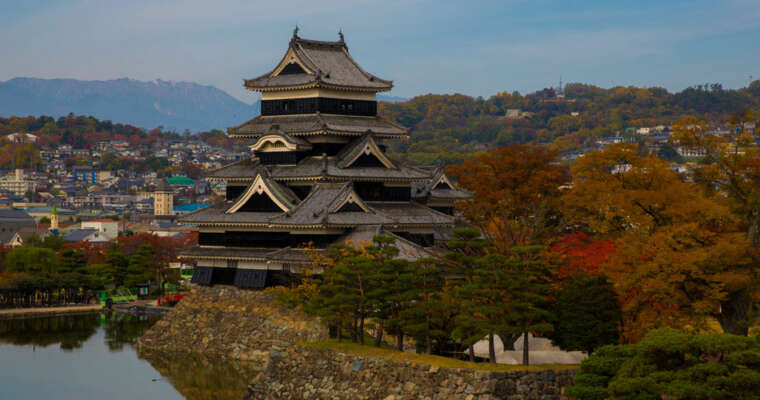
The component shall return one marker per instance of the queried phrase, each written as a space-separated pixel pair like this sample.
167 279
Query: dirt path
38 311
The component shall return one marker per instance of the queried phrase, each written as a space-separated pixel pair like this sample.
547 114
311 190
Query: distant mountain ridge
173 105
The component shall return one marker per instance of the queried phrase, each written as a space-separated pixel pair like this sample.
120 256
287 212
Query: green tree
670 364
72 261
424 317
32 260
466 248
118 265
141 265
344 294
587 314
391 294
527 301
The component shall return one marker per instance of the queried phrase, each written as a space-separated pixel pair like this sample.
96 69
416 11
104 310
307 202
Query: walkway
41 311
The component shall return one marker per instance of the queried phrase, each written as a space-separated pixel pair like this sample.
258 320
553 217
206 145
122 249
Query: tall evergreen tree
141 264
424 318
587 314
117 265
391 292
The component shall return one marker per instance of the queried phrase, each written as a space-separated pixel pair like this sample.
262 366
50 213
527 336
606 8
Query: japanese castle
318 174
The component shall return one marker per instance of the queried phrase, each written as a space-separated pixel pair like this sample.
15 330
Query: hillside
448 128
173 105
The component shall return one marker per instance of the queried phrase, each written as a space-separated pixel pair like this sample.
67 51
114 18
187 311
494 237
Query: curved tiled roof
315 168
329 64
316 124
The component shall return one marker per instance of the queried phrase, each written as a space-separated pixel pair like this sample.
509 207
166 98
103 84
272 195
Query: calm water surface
92 356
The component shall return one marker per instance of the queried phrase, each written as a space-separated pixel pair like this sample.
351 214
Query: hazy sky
472 47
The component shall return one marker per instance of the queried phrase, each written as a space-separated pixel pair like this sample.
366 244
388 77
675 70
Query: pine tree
466 248
587 314
141 265
393 280
117 265
527 300
424 318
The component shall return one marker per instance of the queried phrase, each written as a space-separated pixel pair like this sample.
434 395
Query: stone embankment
252 326
308 373
229 322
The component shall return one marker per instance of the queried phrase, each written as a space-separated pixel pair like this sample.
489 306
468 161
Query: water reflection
96 358
72 331
88 356
199 377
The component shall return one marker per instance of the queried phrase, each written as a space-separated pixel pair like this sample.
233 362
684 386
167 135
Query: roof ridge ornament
340 35
295 32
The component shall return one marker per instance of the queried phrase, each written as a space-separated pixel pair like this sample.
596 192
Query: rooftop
317 124
312 64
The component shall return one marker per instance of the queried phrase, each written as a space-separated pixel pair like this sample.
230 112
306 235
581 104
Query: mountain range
175 106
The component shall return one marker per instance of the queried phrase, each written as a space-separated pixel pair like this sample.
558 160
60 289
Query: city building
163 199
318 174
17 184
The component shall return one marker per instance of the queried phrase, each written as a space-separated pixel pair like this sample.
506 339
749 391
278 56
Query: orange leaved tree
516 192
681 256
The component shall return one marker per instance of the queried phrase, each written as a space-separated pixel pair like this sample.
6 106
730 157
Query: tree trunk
361 330
355 331
753 233
734 313
400 341
338 332
508 340
491 349
526 354
379 335
428 345
471 352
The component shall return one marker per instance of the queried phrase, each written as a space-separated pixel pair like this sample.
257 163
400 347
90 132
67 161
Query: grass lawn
423 359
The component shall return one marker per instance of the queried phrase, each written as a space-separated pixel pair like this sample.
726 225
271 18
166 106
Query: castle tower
163 199
318 174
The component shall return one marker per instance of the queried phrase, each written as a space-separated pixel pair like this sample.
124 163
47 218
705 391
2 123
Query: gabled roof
279 194
363 145
217 215
439 187
317 124
278 141
312 63
322 207
245 169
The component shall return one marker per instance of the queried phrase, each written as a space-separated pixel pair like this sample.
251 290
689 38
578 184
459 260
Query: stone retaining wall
251 326
229 322
308 373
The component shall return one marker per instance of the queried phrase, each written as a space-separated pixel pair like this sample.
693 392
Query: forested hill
450 127
173 105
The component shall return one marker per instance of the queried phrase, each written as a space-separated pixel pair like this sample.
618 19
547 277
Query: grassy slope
423 359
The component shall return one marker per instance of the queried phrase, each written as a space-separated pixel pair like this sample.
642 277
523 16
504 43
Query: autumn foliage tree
680 253
516 192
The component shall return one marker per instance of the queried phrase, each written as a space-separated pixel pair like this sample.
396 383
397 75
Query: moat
93 356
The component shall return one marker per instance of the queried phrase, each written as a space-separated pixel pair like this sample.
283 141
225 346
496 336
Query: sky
472 47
